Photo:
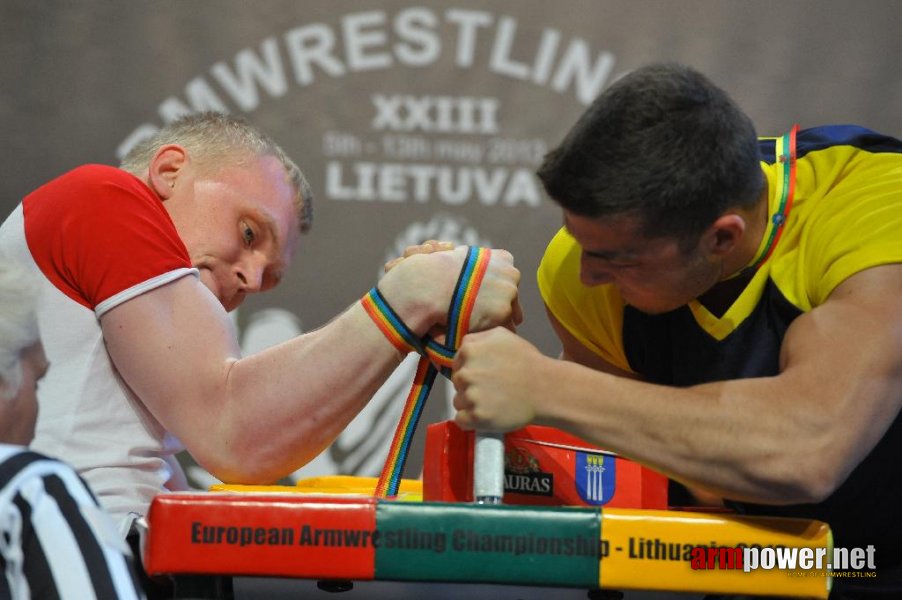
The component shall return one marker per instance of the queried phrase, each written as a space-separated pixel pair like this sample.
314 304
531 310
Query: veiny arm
258 418
787 439
573 350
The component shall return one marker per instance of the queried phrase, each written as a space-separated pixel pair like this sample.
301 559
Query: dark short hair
662 143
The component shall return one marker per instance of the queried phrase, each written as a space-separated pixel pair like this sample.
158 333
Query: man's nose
250 276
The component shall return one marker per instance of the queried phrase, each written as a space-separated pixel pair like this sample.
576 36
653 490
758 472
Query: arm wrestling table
310 540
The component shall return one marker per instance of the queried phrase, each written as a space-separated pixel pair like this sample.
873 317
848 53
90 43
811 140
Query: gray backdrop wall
411 119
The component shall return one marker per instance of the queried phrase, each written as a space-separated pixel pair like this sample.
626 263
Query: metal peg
488 468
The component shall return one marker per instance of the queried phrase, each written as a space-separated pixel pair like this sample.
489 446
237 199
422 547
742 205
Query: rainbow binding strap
435 357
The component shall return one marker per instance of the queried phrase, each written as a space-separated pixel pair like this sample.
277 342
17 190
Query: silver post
488 468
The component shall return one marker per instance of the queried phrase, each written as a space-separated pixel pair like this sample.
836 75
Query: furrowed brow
611 255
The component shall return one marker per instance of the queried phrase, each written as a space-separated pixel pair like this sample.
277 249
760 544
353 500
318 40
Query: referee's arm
56 541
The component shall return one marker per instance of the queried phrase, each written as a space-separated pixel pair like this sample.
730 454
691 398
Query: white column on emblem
590 482
599 495
488 468
600 483
595 482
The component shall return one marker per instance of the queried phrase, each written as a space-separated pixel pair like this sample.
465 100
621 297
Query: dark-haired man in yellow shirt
738 304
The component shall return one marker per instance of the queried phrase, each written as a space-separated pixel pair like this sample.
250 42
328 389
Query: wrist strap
435 357
390 324
459 312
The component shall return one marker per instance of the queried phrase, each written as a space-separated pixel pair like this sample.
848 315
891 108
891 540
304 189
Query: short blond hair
215 139
18 322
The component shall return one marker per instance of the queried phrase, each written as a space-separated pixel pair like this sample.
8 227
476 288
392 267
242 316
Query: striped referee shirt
55 540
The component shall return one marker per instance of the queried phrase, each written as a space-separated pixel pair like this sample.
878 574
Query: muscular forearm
251 419
258 418
793 437
730 438
284 405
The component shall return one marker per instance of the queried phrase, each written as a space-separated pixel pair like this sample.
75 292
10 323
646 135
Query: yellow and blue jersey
846 216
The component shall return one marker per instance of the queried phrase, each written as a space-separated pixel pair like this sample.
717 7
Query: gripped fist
497 379
419 286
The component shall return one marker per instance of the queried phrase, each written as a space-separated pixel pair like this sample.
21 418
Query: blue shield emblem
595 477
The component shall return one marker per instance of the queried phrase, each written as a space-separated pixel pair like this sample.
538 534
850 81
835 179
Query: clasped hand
432 269
493 365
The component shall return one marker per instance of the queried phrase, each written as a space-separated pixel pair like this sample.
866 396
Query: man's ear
724 234
165 167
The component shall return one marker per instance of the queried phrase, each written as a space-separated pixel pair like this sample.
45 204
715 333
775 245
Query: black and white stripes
55 541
